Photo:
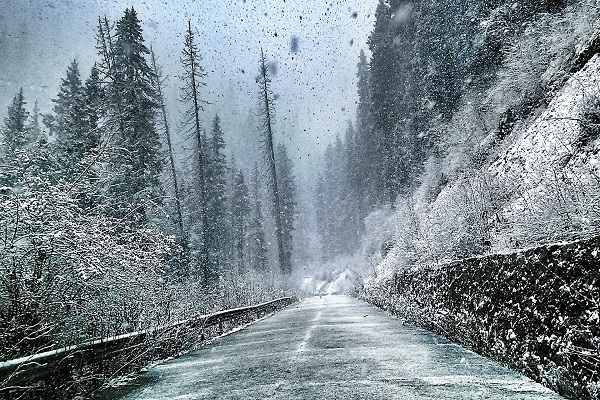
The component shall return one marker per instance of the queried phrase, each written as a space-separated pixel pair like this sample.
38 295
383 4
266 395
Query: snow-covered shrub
462 221
565 208
68 274
379 229
460 137
250 287
536 60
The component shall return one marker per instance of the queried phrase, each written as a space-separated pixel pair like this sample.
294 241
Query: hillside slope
555 163
515 168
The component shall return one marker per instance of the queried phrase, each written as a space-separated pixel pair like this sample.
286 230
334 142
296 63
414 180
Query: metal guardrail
166 341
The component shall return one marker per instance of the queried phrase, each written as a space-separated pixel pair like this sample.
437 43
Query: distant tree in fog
257 242
216 228
287 198
240 219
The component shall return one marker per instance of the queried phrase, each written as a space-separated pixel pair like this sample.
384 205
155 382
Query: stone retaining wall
535 311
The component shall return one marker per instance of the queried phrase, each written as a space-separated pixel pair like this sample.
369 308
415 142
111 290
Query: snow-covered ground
549 143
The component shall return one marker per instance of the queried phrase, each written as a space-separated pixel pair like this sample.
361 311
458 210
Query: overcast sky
315 81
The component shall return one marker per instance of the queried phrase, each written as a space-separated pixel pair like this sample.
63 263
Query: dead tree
267 112
173 172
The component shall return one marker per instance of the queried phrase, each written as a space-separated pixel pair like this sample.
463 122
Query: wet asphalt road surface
334 347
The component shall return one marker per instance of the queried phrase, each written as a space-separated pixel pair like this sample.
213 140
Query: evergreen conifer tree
181 235
34 126
133 103
362 164
268 114
93 94
216 198
190 95
68 124
23 155
16 131
383 72
240 213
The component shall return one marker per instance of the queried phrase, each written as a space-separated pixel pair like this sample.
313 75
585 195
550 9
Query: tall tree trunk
284 262
191 62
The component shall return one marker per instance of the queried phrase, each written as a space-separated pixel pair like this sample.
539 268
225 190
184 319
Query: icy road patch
331 347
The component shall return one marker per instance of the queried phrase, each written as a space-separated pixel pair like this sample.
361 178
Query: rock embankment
536 310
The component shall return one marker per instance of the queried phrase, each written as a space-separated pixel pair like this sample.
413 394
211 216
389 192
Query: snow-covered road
334 347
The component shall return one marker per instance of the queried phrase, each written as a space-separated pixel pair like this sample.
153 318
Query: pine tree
216 198
384 104
105 45
23 155
171 161
67 104
363 112
324 218
68 124
93 94
330 193
339 224
16 131
354 193
132 104
34 126
362 163
80 164
14 135
240 214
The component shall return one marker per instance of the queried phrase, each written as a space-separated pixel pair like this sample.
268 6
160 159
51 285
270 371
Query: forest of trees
102 231
428 96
